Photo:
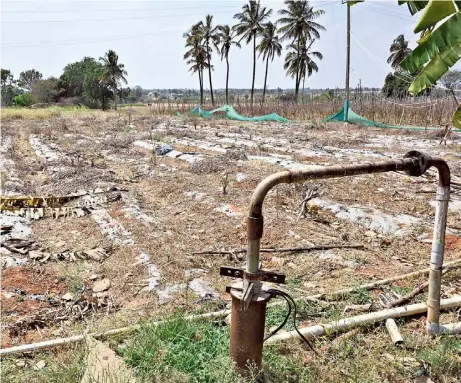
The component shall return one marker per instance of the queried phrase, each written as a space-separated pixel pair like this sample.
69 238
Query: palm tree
297 22
249 27
210 37
299 60
399 50
113 72
269 47
226 38
196 55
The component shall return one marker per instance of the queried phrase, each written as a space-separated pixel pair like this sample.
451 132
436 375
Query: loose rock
40 365
102 285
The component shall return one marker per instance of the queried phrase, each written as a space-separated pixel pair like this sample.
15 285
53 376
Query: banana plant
439 46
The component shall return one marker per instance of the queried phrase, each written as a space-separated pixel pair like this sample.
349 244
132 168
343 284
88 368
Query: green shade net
231 114
354 118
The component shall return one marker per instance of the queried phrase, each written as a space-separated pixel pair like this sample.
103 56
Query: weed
444 358
294 281
360 296
67 366
76 286
225 181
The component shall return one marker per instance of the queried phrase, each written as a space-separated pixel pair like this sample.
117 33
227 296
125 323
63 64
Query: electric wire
291 307
106 19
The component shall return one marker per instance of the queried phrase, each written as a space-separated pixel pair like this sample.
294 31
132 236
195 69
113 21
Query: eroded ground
150 212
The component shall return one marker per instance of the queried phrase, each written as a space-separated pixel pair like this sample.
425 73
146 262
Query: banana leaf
413 6
456 120
436 68
447 35
435 11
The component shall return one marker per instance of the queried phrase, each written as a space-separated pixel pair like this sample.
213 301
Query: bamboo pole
78 338
394 332
372 285
436 265
367 319
284 250
415 292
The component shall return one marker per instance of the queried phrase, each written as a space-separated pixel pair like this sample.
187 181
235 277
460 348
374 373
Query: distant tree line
90 82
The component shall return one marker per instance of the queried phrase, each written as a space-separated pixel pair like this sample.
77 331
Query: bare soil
187 211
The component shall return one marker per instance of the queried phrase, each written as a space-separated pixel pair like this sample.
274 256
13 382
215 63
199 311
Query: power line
110 10
395 15
85 41
105 19
402 76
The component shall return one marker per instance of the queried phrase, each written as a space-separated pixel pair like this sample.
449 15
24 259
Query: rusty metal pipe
250 325
414 164
247 330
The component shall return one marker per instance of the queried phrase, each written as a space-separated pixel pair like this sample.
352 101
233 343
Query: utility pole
348 60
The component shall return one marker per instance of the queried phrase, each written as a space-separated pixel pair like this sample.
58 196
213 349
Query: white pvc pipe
367 319
78 338
394 332
436 263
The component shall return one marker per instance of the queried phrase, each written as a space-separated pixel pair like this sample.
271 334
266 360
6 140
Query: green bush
23 100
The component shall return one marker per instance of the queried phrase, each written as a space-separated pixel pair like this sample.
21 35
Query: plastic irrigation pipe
214 314
370 318
78 338
438 244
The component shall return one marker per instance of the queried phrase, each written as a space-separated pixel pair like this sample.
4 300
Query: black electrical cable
275 292
291 307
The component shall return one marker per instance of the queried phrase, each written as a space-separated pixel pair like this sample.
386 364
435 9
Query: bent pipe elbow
443 170
414 164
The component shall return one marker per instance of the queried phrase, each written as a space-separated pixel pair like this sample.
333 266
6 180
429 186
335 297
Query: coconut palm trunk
297 77
115 98
227 81
209 73
200 85
265 78
200 73
254 68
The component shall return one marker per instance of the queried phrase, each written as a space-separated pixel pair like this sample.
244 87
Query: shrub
23 100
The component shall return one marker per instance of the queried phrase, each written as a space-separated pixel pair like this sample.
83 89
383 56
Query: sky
148 37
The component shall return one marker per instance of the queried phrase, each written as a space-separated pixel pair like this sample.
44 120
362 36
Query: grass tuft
197 350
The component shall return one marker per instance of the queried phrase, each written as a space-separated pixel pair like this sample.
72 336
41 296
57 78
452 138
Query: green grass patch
195 350
360 296
444 358
62 366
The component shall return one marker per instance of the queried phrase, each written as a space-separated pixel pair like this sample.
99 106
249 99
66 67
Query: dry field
150 213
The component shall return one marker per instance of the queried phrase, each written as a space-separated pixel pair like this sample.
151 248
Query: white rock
67 297
102 285
40 365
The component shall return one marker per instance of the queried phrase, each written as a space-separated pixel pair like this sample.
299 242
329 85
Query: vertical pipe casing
252 265
435 273
247 330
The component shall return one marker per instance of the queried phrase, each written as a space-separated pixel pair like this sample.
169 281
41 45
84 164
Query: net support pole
348 61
